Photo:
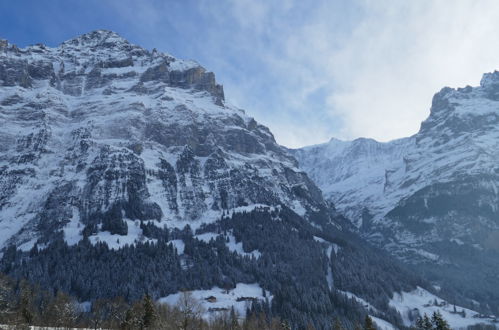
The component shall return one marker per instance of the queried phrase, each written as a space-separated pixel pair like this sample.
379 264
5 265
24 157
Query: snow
116 242
72 230
352 172
114 116
209 216
427 255
457 241
237 247
320 240
329 276
475 106
224 299
179 245
378 175
382 324
298 208
361 301
365 176
206 237
328 249
182 65
423 301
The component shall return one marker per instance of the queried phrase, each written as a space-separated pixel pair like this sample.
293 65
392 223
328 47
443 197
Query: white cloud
381 74
398 58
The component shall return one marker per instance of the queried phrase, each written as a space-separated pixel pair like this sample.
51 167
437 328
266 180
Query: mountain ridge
426 196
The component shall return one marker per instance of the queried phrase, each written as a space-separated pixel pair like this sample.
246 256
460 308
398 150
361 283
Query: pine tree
150 314
369 324
424 323
285 325
26 303
234 324
438 322
128 321
337 324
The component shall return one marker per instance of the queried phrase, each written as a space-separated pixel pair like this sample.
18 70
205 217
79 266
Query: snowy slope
419 302
367 179
99 133
456 149
354 173
239 298
430 199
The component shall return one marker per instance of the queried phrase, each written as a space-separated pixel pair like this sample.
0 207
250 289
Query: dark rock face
15 73
101 133
195 77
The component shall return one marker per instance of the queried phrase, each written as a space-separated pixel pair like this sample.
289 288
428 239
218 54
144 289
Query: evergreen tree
438 322
369 324
26 303
234 324
424 323
128 321
285 325
357 326
337 324
150 314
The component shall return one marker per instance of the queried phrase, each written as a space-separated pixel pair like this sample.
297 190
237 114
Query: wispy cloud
348 69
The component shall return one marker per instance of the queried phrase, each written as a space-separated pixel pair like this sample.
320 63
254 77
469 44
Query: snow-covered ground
361 301
115 241
179 245
382 324
223 300
328 249
232 245
237 247
207 237
424 302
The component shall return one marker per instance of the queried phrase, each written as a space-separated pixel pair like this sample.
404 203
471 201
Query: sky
310 70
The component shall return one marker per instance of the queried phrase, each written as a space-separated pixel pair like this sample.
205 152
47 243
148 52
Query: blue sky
310 70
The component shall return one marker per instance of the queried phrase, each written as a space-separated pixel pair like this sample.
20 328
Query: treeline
23 305
292 265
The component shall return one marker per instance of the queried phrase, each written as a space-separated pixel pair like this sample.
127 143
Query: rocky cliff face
99 131
430 199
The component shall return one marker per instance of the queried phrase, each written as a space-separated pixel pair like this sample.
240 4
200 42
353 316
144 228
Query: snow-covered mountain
124 171
430 199
98 130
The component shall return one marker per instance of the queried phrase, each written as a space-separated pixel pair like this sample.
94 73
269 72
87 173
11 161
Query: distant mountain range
430 199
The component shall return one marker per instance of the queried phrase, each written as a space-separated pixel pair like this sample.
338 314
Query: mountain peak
490 79
98 38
